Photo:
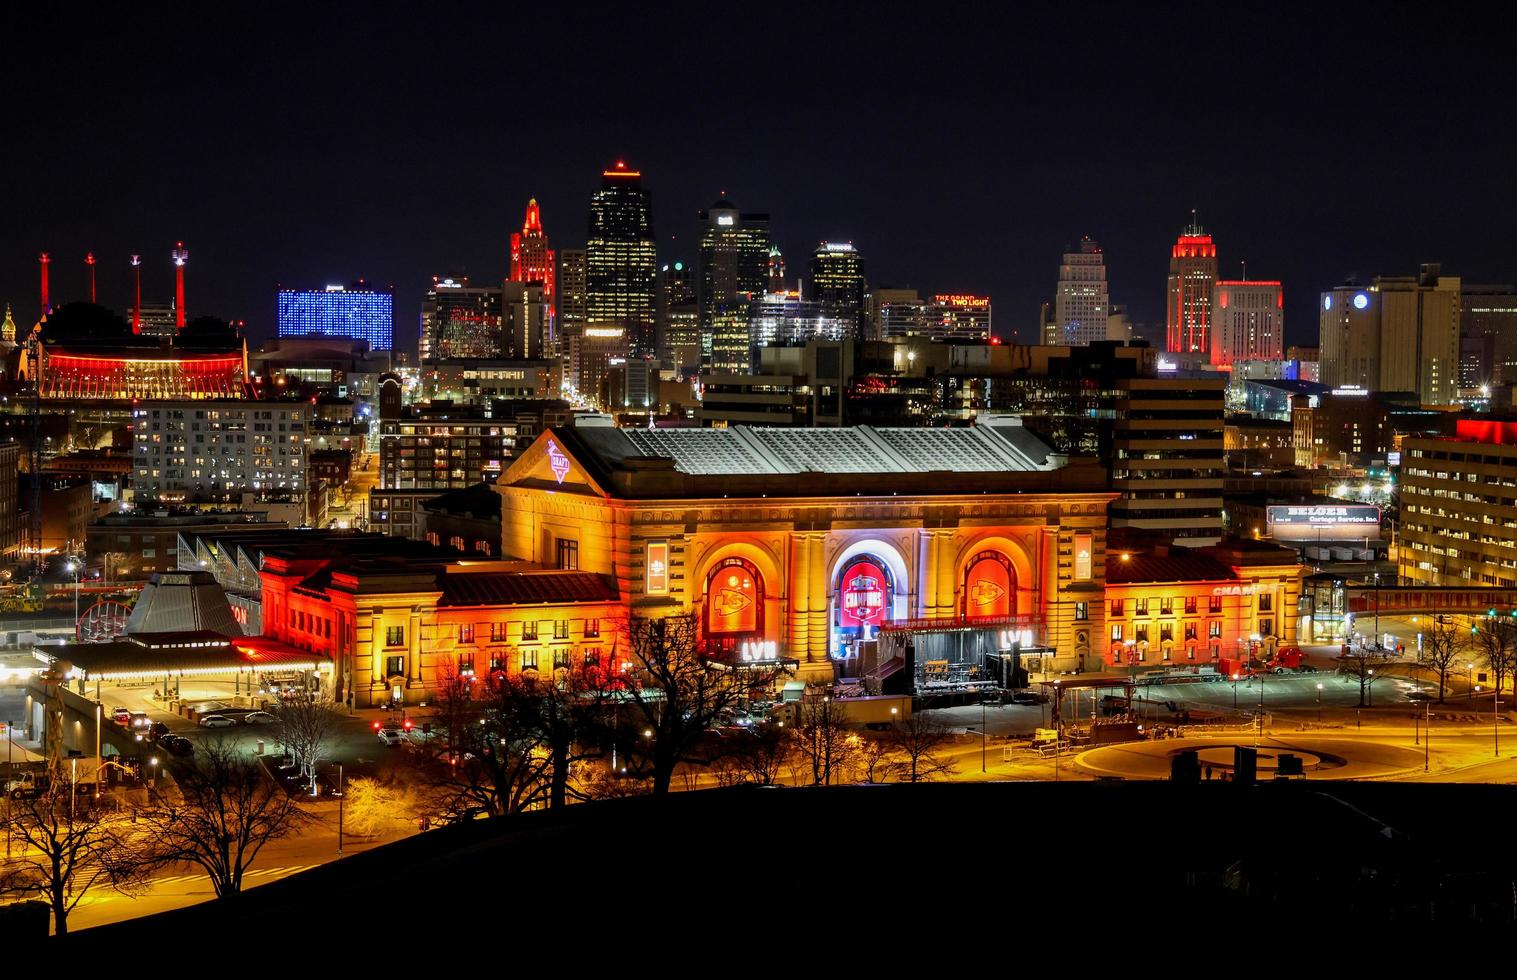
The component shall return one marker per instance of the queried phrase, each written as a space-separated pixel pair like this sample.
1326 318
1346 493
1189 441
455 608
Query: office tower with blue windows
359 311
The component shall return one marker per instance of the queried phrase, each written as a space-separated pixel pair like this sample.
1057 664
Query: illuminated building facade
477 383
397 629
459 320
435 449
1192 274
1165 450
359 312
679 317
1487 335
959 316
734 261
1248 322
141 374
1178 607
1082 301
1349 322
532 261
837 282
620 261
1399 334
776 320
207 451
765 535
1449 534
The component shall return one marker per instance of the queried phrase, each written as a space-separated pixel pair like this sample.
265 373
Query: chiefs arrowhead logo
730 602
984 592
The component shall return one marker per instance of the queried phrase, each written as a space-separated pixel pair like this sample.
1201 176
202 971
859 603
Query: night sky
961 155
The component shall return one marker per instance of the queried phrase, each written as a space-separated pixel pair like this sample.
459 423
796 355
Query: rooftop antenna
44 259
89 267
136 294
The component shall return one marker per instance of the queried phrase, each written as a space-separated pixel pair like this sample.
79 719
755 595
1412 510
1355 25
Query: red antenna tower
46 306
136 294
181 256
89 266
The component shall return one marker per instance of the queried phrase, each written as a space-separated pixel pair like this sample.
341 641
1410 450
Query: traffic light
376 726
409 723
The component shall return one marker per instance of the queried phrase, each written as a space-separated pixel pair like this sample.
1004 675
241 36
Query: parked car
157 730
257 718
177 745
1029 697
1306 669
216 721
391 736
121 715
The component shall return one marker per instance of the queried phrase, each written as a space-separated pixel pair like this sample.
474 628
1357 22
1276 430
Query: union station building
806 544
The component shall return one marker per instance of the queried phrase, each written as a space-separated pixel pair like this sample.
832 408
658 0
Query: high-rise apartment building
1488 335
1082 302
1192 274
679 322
899 312
1247 321
837 282
460 320
959 316
1166 457
1419 334
620 264
1458 522
734 259
571 290
360 312
531 258
219 450
526 323
1349 343
1400 334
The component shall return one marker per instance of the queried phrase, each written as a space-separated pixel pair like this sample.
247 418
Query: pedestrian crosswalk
255 876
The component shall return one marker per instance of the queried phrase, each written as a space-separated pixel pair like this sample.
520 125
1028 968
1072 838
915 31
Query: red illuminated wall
1492 433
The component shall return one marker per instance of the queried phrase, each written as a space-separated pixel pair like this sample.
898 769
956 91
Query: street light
1470 681
1370 687
1319 704
1235 690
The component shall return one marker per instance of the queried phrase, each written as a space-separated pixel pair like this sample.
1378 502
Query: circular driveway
1323 757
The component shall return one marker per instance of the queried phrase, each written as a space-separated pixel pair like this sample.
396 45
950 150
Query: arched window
990 586
734 602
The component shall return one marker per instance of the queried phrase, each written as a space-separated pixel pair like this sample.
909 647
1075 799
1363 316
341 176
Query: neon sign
988 586
963 301
557 461
863 595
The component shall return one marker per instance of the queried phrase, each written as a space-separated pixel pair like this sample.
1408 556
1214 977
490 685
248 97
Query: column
799 589
413 650
816 614
1046 579
926 584
945 573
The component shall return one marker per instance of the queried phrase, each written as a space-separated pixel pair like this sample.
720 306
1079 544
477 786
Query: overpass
1395 600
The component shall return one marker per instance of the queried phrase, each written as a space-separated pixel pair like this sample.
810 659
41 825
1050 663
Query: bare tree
766 754
229 809
1496 640
920 739
824 740
568 711
1442 646
878 760
678 694
376 808
487 753
68 848
306 726
1361 663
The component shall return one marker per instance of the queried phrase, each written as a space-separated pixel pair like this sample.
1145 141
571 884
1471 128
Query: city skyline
360 198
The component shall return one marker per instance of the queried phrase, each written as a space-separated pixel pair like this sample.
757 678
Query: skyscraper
734 261
1349 321
360 312
531 258
1400 334
679 316
571 289
837 282
1082 303
1192 273
1488 326
459 320
620 265
1247 322
776 269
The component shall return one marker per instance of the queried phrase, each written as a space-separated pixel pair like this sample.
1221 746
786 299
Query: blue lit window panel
359 313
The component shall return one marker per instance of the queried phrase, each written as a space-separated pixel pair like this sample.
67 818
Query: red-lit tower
531 258
1192 274
89 269
136 294
181 256
44 259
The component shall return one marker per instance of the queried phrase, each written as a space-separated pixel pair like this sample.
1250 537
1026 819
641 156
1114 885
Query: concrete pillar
945 574
800 597
817 611
926 583
413 650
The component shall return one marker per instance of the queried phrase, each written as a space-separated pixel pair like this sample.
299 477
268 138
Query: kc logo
984 592
730 602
